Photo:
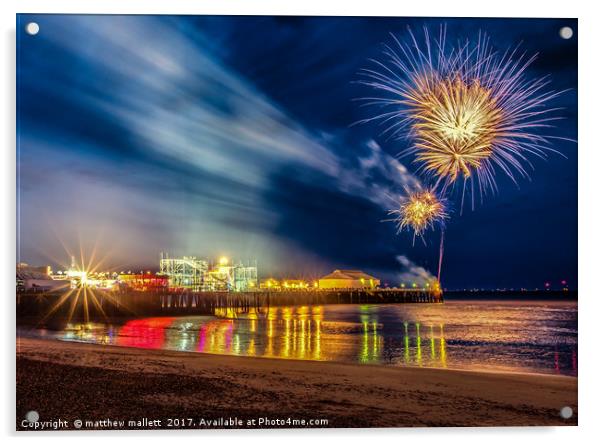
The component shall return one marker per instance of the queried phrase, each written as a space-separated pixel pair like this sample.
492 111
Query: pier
207 302
99 305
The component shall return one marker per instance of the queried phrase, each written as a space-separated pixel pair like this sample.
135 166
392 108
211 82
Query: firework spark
467 110
419 211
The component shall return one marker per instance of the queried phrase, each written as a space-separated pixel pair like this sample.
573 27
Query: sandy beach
94 383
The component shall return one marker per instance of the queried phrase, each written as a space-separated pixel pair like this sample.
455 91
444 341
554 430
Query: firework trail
440 255
467 110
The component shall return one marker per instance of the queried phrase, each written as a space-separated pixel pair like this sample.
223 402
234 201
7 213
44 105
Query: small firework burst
467 110
419 211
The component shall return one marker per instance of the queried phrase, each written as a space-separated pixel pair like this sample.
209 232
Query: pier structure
97 305
191 274
184 272
209 301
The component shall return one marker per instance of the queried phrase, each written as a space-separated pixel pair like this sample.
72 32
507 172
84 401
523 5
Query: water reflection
494 338
147 333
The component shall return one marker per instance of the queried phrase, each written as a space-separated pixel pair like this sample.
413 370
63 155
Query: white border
433 8
590 160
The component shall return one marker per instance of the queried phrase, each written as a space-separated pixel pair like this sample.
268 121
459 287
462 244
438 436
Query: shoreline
72 380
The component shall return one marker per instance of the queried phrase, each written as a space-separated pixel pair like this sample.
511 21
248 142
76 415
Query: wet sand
69 381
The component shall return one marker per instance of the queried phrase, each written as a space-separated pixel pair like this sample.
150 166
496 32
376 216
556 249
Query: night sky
234 136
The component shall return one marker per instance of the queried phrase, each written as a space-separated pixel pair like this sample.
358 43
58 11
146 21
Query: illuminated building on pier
348 279
38 278
270 284
143 281
287 284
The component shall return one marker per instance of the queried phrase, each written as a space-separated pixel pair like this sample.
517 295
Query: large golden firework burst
455 125
467 110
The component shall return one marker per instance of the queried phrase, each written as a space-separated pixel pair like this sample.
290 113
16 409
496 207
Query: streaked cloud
205 145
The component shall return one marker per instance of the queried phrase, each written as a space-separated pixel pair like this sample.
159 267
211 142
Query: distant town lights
223 261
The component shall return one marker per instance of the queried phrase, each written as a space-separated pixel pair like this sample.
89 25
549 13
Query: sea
525 336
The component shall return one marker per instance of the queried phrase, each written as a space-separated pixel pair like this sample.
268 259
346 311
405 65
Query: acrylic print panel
300 222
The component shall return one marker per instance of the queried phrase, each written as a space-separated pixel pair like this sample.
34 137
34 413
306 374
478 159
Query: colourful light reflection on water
148 333
534 338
